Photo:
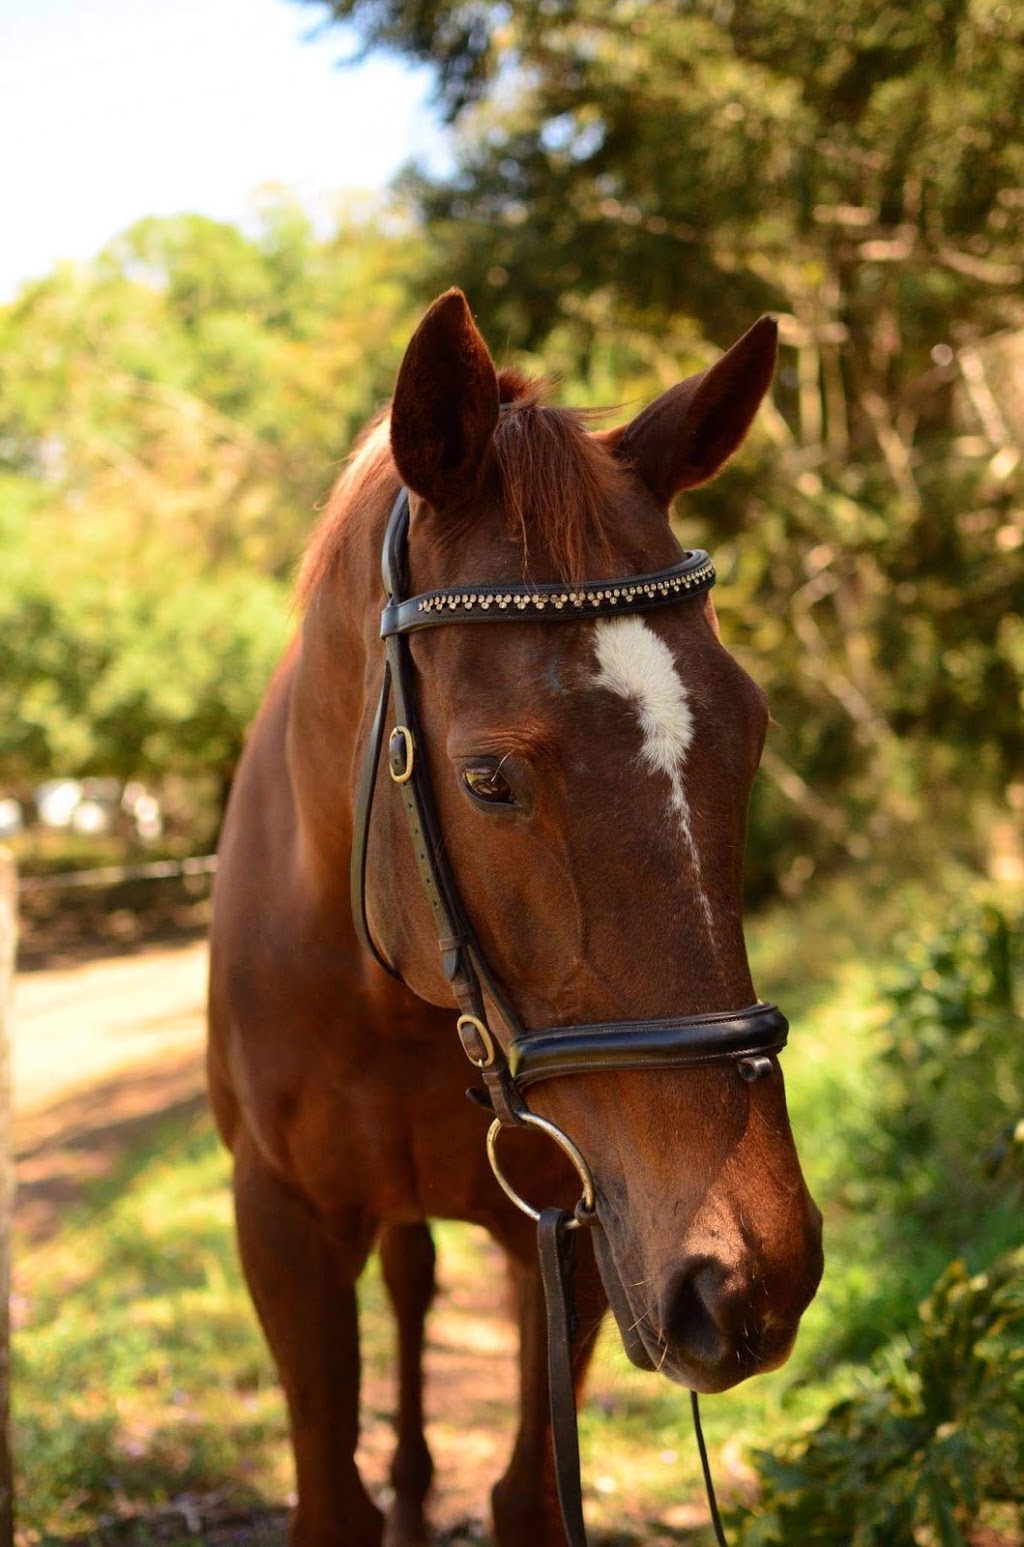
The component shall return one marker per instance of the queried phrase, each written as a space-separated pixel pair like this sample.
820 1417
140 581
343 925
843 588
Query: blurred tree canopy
631 185
635 182
169 418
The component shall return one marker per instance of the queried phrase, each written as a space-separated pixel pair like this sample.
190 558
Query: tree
635 182
170 416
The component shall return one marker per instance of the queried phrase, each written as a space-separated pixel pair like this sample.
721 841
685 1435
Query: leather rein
746 1038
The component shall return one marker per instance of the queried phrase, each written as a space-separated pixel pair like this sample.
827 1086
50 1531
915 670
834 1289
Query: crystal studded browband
550 603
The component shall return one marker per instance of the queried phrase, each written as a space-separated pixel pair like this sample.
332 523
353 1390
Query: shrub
954 1054
931 1443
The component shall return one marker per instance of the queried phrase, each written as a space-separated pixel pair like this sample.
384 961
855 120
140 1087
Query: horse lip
628 1323
637 1341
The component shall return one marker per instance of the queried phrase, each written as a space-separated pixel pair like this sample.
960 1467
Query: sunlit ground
141 1375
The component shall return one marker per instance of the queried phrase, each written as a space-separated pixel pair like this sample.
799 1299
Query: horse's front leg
302 1281
407 1262
525 1499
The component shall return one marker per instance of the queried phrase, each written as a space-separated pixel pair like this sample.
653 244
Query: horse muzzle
703 1322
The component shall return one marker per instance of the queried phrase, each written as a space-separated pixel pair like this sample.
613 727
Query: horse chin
625 1317
706 1371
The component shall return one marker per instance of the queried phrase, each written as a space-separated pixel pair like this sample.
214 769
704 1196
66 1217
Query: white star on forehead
637 665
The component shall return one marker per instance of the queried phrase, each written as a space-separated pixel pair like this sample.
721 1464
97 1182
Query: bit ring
586 1205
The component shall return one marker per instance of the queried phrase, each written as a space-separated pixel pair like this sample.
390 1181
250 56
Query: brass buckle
486 1040
395 746
584 1212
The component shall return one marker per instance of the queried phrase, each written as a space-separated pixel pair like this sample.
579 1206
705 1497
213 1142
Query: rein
746 1038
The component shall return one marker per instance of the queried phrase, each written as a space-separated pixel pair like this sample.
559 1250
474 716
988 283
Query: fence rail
113 875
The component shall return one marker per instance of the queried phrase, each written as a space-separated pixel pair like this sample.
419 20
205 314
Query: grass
140 1374
139 1371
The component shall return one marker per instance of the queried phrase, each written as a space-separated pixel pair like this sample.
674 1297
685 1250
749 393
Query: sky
115 109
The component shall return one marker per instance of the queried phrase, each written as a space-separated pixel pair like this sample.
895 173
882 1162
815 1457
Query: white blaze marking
638 665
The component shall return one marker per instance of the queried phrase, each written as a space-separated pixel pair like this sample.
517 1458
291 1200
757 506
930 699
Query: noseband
746 1038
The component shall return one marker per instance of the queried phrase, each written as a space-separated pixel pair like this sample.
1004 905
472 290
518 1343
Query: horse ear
445 405
688 434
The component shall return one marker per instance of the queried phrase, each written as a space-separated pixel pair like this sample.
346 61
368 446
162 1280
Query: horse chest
380 1124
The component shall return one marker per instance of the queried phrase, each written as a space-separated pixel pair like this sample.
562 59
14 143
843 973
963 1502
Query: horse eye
485 782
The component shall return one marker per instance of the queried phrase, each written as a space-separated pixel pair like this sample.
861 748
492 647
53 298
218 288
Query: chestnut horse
591 784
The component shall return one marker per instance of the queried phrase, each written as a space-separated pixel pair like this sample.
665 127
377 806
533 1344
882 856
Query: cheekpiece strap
546 603
361 826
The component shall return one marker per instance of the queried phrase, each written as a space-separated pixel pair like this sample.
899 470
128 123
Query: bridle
746 1038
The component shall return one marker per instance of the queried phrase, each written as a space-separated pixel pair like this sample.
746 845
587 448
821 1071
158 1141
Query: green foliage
930 1441
169 418
139 1371
955 1049
693 160
113 665
929 1438
633 184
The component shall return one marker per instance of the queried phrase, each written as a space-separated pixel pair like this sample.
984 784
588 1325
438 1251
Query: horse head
591 784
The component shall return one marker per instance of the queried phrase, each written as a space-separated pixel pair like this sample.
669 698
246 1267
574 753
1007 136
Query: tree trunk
8 943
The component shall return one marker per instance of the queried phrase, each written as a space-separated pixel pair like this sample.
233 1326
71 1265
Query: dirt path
104 1047
82 1023
99 1048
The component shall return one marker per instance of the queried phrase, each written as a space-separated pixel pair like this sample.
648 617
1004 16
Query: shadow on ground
64 1151
216 1520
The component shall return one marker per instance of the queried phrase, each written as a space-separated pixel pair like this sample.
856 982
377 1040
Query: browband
548 603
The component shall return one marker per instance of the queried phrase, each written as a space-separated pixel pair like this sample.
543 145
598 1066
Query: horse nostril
692 1311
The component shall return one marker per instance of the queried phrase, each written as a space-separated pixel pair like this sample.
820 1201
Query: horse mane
559 483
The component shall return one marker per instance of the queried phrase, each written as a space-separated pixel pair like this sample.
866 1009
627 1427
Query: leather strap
547 603
361 826
676 1043
556 1250
705 1466
746 1037
463 961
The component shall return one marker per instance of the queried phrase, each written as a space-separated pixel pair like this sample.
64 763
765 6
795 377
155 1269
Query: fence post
8 944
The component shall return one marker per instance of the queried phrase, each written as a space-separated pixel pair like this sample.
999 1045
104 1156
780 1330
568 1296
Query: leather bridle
746 1038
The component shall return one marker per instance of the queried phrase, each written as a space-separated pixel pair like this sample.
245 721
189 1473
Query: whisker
645 1315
